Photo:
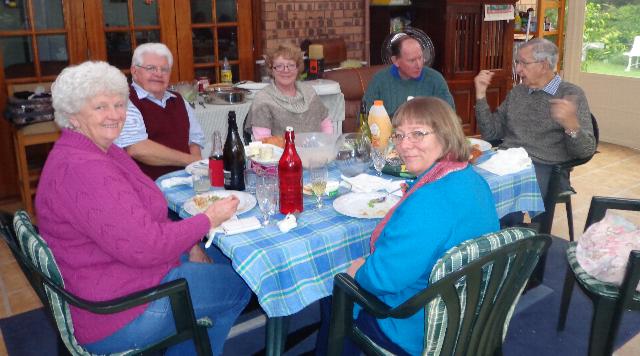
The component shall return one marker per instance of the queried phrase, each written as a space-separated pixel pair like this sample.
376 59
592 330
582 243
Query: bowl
225 95
315 147
353 154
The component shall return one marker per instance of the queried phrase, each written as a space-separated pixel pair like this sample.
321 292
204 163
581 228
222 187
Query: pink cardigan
106 223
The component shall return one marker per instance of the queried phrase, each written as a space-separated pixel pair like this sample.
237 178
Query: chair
472 293
634 52
609 301
34 253
31 135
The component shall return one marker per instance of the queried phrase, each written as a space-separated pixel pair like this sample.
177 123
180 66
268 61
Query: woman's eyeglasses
282 67
154 69
413 136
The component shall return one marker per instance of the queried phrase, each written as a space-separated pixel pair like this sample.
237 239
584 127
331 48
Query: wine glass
318 175
267 196
379 158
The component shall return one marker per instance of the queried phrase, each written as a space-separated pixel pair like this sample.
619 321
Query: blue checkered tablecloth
288 271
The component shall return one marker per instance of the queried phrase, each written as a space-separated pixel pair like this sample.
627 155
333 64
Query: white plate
202 164
356 205
247 201
275 158
482 144
331 190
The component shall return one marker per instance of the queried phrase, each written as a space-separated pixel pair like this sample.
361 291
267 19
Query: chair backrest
635 48
41 260
479 283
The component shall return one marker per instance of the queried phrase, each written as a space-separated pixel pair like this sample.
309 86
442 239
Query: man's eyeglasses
282 67
413 136
525 63
154 69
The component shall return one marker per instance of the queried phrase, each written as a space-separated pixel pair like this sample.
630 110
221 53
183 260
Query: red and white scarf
439 170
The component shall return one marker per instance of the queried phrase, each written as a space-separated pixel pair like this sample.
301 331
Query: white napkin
233 226
507 161
288 223
173 181
366 183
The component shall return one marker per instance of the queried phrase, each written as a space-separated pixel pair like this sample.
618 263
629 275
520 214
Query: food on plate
202 202
274 140
475 153
266 153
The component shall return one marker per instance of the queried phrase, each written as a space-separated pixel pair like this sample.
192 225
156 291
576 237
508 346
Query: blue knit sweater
436 217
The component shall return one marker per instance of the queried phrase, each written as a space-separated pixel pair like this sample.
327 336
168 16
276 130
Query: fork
383 198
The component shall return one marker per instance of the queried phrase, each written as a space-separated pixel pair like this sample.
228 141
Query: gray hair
79 83
543 50
159 49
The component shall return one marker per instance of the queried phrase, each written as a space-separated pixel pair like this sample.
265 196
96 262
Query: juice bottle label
226 76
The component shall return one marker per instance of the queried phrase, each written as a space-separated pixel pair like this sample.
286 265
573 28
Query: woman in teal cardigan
447 204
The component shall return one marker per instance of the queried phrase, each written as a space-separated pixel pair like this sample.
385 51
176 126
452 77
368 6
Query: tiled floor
615 171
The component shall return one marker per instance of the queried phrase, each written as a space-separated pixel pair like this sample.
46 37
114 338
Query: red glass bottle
216 165
290 175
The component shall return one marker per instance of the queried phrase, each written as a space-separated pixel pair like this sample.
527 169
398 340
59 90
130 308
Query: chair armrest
600 205
345 284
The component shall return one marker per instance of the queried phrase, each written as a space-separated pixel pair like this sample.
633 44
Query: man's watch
572 133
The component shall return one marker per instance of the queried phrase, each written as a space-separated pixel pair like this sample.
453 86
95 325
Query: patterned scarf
439 170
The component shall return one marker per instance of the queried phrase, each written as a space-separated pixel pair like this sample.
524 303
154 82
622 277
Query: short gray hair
159 49
543 50
79 83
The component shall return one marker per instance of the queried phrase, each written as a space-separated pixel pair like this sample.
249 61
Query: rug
532 331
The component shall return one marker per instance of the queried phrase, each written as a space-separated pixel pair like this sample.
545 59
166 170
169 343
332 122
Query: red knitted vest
168 126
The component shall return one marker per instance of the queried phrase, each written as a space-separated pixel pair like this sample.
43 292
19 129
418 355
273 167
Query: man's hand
355 266
482 82
221 210
565 112
196 254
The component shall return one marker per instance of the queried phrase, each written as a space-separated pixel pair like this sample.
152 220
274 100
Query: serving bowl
225 95
353 154
315 147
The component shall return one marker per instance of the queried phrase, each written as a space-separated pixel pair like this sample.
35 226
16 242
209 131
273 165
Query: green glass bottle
364 121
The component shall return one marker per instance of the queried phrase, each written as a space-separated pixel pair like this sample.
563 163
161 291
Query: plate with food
197 165
199 203
331 190
264 153
373 205
482 145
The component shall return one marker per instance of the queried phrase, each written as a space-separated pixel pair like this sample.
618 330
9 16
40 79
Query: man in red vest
161 131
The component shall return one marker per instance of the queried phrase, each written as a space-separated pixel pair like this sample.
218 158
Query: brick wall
297 20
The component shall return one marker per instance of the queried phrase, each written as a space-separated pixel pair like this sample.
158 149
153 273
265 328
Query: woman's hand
197 254
222 210
355 266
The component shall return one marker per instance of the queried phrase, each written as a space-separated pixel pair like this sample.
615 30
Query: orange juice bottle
380 125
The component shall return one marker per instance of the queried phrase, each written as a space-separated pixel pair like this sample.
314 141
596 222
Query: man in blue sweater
407 76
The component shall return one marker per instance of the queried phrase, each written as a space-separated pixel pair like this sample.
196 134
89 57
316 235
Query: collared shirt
551 87
395 72
134 129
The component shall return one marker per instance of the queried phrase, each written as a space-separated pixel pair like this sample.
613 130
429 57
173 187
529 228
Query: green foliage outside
614 23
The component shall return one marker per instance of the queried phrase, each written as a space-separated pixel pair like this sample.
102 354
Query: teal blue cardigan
436 217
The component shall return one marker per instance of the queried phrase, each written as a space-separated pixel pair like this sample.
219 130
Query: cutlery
384 197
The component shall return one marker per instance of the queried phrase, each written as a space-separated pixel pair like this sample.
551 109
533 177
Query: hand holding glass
267 196
318 175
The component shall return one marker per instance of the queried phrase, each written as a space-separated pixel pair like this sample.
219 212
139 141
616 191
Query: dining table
289 271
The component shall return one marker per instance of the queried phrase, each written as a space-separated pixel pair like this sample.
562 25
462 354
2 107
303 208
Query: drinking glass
200 179
379 157
318 175
267 196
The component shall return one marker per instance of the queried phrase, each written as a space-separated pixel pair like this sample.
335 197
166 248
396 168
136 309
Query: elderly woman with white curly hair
106 223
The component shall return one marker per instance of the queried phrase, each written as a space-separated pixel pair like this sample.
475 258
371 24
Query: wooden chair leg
567 291
603 311
569 218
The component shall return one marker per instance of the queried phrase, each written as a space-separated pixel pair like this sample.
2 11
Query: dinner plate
482 144
247 201
332 188
275 158
252 85
201 164
357 205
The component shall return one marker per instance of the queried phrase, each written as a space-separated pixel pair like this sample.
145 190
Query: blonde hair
286 51
437 114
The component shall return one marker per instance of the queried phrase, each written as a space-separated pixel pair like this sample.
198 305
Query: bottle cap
378 103
288 129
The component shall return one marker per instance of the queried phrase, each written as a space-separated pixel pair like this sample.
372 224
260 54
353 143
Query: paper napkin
508 161
172 182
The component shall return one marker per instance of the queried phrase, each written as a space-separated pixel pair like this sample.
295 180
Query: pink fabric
326 126
439 170
260 132
106 223
603 250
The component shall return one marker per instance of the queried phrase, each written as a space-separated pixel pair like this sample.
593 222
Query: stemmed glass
318 175
267 196
379 158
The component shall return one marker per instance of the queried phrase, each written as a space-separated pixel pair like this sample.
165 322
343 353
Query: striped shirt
135 131
551 87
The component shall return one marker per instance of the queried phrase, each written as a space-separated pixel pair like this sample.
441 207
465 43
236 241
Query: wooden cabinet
464 44
549 24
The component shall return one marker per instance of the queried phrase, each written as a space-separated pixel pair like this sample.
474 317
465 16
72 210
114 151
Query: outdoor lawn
610 69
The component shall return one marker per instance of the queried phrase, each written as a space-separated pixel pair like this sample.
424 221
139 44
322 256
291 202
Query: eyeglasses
154 69
525 63
413 136
282 67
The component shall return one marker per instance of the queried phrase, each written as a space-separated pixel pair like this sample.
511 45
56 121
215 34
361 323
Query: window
611 38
